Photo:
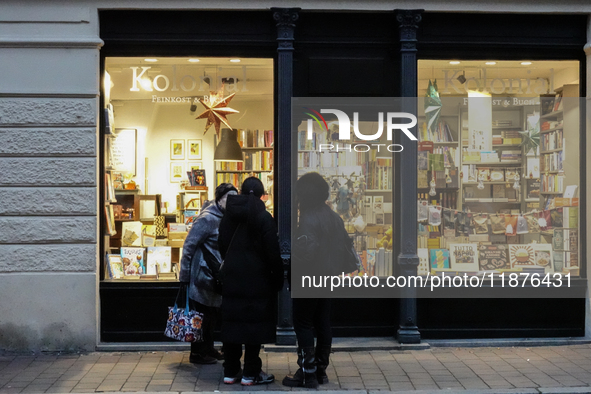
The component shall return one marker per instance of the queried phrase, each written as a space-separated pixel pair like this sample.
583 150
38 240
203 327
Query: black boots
305 376
322 357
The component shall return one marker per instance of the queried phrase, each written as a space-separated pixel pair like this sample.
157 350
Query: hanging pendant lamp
228 148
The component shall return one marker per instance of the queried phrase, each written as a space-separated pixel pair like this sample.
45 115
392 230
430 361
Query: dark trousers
312 315
252 361
210 317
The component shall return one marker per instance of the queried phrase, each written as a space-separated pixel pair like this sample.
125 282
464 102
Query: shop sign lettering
496 85
188 83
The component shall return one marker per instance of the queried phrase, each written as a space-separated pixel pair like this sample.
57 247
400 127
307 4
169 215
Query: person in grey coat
200 262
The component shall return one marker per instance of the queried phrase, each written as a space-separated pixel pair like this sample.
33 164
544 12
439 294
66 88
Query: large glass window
498 167
175 129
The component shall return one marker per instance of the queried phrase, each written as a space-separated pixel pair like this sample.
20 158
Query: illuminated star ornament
216 110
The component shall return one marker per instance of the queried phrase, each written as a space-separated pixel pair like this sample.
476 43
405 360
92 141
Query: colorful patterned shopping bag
184 324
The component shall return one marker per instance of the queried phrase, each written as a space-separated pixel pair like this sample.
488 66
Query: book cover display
133 261
115 265
493 257
464 257
131 234
158 260
439 258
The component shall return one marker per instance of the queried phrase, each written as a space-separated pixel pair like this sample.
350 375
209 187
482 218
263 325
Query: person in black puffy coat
252 274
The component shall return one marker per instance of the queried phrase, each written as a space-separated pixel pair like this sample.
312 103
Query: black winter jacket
252 273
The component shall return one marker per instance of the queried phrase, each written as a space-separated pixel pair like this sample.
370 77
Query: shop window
360 175
175 128
499 168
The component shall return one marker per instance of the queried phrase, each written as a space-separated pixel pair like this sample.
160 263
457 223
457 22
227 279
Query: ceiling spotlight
525 63
194 60
454 62
151 60
235 60
462 78
490 63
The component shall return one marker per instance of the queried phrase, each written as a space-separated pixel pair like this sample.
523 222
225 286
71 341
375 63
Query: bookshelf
360 192
439 158
258 156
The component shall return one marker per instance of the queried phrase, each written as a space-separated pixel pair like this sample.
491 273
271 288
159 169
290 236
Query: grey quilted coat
194 268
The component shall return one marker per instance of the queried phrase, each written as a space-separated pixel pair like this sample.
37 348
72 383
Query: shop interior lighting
525 63
490 63
194 60
454 62
235 60
151 60
228 149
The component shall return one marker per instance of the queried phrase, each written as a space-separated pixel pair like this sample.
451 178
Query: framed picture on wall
194 149
177 172
177 149
194 165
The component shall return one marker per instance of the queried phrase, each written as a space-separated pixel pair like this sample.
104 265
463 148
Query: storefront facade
55 127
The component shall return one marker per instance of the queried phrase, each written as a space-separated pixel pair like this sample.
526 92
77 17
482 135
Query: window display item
543 256
159 225
449 220
533 224
216 110
184 324
434 216
464 257
439 258
158 260
545 220
133 261
522 225
131 233
497 223
521 256
148 235
480 224
423 268
423 210
556 215
510 225
497 175
115 265
493 257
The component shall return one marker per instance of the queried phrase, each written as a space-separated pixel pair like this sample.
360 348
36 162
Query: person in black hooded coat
252 275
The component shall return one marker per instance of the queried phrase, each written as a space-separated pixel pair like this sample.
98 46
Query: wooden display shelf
488 183
496 164
551 151
240 171
443 143
551 130
127 191
553 114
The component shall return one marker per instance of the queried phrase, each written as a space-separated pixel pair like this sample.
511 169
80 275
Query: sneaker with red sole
232 379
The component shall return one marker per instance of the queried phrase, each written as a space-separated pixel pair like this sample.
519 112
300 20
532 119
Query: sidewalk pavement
543 369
